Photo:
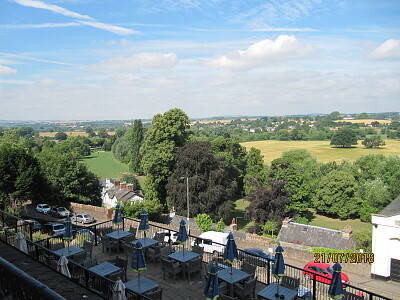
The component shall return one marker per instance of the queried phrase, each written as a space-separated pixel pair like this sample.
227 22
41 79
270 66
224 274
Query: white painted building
386 242
121 191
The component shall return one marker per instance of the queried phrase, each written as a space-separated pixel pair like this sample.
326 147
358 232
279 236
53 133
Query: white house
121 191
386 242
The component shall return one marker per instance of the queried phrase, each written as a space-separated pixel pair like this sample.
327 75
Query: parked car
322 269
256 257
59 212
54 228
83 218
170 236
35 224
43 208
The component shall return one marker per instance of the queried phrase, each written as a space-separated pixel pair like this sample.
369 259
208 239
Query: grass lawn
322 150
337 224
104 165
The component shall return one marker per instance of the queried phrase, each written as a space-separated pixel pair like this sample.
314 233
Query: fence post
2 218
95 235
314 287
123 223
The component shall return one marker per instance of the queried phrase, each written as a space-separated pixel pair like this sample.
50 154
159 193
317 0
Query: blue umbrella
182 235
336 286
230 253
144 222
117 217
138 261
279 270
68 232
211 290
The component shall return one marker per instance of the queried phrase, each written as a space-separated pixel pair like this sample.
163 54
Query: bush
204 222
364 240
220 225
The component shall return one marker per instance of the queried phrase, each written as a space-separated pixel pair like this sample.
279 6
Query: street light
187 198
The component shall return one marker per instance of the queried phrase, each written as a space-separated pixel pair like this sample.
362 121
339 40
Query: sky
132 59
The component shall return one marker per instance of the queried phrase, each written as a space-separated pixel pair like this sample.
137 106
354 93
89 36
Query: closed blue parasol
279 270
230 252
144 221
182 234
211 290
117 216
138 261
68 232
336 287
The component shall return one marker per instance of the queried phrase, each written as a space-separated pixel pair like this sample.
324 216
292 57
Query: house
315 236
386 242
121 191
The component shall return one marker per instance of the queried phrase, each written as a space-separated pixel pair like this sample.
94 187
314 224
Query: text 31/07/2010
352 257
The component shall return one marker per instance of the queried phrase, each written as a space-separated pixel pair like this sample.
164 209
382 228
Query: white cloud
37 59
91 21
285 47
4 70
108 27
43 25
390 49
53 8
137 62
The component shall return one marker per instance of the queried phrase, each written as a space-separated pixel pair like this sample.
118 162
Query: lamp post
187 198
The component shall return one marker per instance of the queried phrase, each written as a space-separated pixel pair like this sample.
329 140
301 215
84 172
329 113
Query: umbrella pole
68 246
139 280
277 290
118 230
231 270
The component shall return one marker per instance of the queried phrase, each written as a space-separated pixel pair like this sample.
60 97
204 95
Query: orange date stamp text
351 257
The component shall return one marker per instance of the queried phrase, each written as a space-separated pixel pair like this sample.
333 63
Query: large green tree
69 179
21 179
210 187
344 137
256 170
167 133
135 138
337 195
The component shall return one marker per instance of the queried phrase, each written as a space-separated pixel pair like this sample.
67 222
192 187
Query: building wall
385 243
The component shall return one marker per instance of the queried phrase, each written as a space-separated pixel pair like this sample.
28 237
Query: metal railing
317 288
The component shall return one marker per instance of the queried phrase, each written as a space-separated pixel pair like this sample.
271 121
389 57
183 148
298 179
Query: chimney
116 184
285 222
172 212
347 231
129 186
122 185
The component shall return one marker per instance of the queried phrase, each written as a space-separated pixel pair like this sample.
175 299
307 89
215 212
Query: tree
130 178
235 159
89 130
269 227
256 170
373 142
220 225
21 178
337 195
376 196
363 115
165 136
204 222
61 136
210 187
70 179
268 203
135 137
344 137
121 149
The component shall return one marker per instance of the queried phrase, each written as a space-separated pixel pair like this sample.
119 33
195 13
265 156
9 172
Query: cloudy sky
126 59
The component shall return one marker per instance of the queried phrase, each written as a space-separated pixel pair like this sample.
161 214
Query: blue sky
128 59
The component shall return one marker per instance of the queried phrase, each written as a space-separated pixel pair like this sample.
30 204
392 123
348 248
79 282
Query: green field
322 150
104 165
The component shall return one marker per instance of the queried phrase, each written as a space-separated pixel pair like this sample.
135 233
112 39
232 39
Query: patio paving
181 289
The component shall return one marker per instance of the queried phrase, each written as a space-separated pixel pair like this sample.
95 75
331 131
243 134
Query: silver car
83 218
59 211
43 208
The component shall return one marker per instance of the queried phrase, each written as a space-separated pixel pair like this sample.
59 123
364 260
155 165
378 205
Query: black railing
318 289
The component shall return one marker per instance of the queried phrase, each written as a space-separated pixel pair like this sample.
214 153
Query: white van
211 241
